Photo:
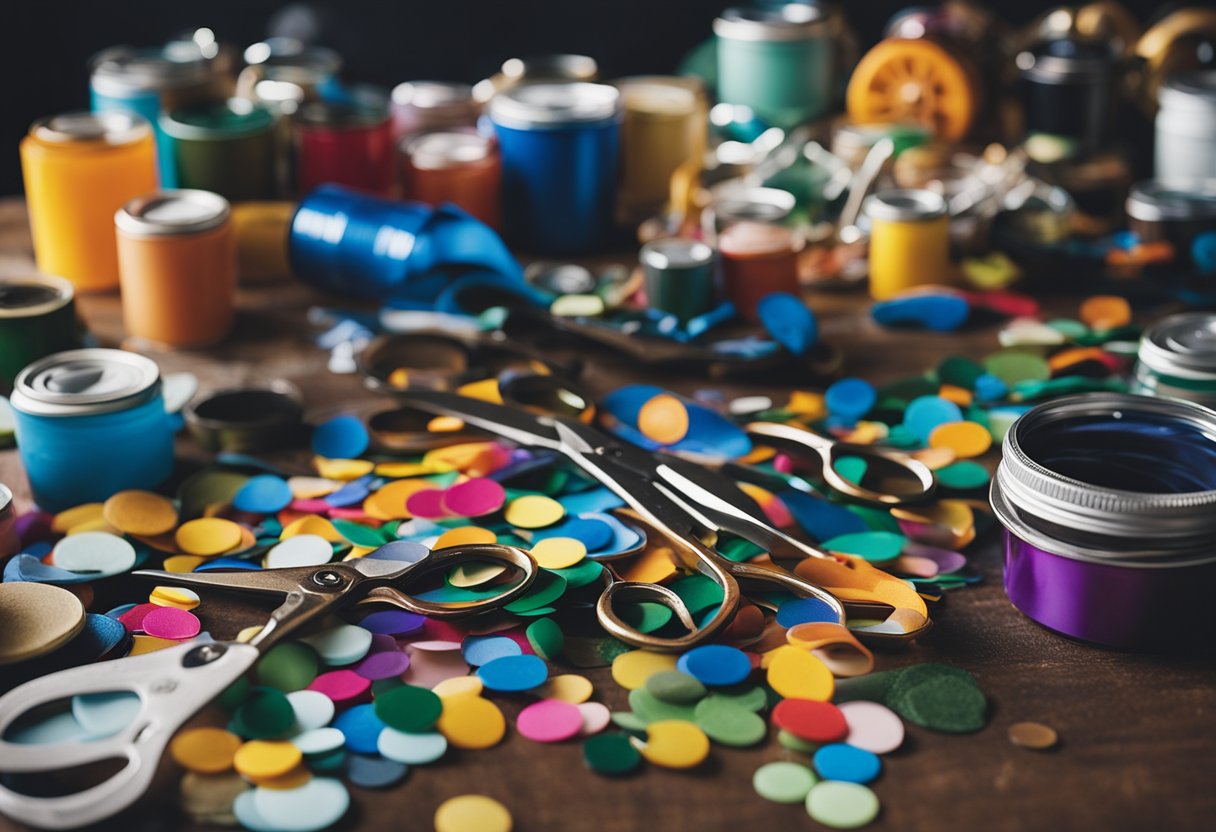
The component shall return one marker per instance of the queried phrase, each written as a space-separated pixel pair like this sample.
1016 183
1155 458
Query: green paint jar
226 148
1177 359
37 318
779 61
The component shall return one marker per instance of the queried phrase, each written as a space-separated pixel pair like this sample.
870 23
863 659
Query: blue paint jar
91 423
559 164
149 82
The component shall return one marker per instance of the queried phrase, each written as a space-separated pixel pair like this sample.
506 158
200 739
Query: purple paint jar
1109 508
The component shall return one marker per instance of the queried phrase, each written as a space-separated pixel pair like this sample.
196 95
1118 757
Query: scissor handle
441 560
172 684
799 439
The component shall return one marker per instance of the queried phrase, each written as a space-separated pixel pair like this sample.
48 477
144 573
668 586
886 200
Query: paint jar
757 260
227 148
559 164
10 544
1186 127
909 241
254 418
419 106
1069 90
1172 211
663 128
91 423
345 144
1177 359
679 277
779 61
461 167
149 83
177 256
37 318
79 169
261 230
1109 507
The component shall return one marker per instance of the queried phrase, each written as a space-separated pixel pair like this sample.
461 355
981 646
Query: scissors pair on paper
175 683
685 503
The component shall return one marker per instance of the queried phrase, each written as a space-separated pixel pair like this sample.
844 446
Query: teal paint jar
149 82
91 423
227 148
778 61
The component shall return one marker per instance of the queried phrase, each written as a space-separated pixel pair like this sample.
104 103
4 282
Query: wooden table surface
1138 732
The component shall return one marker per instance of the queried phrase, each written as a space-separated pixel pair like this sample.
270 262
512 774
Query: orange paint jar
758 259
79 169
458 166
177 258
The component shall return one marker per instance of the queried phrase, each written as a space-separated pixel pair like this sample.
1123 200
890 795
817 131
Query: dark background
45 45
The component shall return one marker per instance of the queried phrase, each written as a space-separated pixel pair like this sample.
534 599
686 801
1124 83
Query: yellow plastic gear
919 81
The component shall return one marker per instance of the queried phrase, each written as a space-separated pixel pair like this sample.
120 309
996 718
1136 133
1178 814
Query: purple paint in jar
1109 508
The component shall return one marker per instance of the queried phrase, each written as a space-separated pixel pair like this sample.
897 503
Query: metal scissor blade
519 426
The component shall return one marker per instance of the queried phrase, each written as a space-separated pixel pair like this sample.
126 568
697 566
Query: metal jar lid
1067 62
746 204
341 115
790 21
33 296
661 96
217 121
122 68
434 95
253 418
905 205
440 150
1182 346
1092 522
169 213
676 253
1158 200
112 128
1195 91
85 382
552 105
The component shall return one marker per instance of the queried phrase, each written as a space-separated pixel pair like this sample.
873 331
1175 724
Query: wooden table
1138 732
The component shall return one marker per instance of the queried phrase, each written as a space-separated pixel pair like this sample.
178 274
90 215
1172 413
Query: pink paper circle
596 717
550 720
171 623
474 498
427 503
873 727
133 619
342 686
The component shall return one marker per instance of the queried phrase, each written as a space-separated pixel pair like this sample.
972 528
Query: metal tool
175 683
901 479
682 501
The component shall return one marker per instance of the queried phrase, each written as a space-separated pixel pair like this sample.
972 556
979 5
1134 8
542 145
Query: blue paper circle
927 412
513 673
263 494
788 319
715 664
850 398
804 611
343 437
479 650
373 771
406 551
849 763
938 312
361 727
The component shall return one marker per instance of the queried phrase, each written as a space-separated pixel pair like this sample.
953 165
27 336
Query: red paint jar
458 166
758 259
345 144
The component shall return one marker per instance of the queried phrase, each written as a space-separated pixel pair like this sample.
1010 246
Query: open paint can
1109 507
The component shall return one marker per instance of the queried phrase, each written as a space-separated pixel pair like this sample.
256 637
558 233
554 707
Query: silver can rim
28 398
906 205
1158 200
133 218
789 22
65 292
1158 354
523 106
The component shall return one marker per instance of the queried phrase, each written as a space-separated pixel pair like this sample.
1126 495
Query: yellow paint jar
79 169
663 128
909 241
261 230
177 257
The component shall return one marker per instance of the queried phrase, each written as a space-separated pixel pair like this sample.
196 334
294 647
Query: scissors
899 478
681 501
175 683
